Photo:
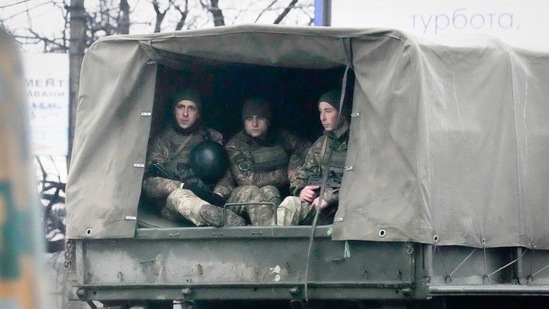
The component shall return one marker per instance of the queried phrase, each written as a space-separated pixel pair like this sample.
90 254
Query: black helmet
209 161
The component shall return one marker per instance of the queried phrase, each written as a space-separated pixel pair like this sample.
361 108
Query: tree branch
13 4
124 17
285 12
26 10
159 15
265 10
183 13
213 8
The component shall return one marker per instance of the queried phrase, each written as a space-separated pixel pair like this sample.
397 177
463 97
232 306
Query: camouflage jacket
265 163
163 148
315 163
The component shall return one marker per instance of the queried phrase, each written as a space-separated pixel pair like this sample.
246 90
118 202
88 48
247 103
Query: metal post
77 47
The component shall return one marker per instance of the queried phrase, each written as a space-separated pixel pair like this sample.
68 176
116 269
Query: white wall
521 23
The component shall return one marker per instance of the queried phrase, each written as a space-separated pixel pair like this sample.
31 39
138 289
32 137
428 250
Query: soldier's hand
216 199
308 194
319 206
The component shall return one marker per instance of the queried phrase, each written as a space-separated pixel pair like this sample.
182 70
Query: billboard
518 23
47 78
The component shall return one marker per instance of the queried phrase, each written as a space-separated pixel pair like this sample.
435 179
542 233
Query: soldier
301 208
178 185
263 161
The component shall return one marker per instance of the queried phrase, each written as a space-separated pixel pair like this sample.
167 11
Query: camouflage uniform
260 168
178 201
293 210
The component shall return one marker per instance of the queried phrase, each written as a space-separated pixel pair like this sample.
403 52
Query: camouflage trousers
292 211
257 214
295 211
183 202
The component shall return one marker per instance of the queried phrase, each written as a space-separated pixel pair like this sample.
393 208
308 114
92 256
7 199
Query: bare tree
108 18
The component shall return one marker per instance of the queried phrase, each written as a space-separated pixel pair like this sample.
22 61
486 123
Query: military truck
443 203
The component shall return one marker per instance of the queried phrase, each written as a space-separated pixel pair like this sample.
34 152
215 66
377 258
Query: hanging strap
323 149
348 51
180 148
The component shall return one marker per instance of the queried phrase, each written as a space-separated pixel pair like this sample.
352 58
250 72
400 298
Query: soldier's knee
250 189
288 211
173 201
270 191
269 188
174 196
291 203
178 194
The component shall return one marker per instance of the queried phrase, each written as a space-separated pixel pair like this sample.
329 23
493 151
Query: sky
43 15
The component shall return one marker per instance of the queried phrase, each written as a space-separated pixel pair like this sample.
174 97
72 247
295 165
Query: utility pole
323 12
77 47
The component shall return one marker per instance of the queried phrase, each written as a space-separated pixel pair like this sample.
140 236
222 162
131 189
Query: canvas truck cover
448 141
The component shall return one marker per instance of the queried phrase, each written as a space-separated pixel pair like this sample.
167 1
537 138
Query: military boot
213 216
